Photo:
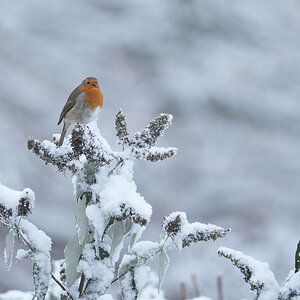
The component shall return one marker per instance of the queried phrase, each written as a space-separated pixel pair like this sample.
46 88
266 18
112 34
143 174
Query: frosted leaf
9 248
117 240
22 253
127 226
81 219
72 254
164 262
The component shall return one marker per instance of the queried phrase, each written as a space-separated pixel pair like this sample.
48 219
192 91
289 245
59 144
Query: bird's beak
95 84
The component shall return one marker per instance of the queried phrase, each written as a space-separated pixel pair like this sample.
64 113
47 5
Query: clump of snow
118 192
145 249
22 253
98 272
141 276
40 246
14 203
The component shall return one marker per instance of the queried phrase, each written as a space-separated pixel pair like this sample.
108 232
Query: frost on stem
84 146
256 273
142 143
184 233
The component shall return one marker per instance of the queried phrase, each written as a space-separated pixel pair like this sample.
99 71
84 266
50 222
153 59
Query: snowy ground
230 75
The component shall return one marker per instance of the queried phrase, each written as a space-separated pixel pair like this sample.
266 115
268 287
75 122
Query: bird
82 106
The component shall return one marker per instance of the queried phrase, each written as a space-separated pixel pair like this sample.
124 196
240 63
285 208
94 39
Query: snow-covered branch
109 210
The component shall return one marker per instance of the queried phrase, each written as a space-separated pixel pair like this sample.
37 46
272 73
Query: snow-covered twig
256 273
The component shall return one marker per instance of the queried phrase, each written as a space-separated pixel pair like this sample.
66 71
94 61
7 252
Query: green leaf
9 248
103 253
133 240
72 255
297 258
164 262
81 219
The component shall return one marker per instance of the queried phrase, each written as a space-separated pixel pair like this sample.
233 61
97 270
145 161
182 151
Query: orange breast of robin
94 96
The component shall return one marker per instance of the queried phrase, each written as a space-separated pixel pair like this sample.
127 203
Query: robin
83 105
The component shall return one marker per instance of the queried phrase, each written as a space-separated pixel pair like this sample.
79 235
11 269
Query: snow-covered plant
108 210
262 281
15 206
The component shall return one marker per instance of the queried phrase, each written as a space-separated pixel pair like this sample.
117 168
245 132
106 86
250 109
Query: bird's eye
88 82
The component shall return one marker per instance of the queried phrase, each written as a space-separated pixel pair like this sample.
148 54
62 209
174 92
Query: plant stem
81 284
61 286
160 249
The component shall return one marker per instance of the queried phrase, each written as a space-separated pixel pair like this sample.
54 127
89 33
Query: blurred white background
228 71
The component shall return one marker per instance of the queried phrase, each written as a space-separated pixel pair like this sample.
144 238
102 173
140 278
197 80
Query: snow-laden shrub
261 280
108 210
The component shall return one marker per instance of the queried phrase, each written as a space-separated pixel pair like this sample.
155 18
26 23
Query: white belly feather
80 113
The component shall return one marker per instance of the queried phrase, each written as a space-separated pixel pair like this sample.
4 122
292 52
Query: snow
226 70
201 298
99 272
119 191
150 291
16 295
141 276
38 239
145 249
106 297
94 213
292 283
10 198
40 246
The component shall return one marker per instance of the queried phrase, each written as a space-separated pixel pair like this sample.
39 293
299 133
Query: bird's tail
62 136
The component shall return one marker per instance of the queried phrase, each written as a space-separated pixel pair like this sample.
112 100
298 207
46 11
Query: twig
118 163
81 284
183 295
195 285
62 287
160 249
220 287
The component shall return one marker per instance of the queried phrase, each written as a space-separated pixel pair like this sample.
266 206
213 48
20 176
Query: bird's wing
70 103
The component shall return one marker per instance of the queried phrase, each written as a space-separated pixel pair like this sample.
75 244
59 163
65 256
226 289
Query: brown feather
70 103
